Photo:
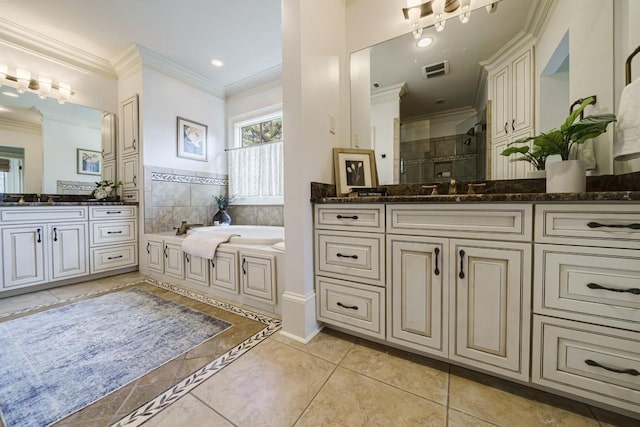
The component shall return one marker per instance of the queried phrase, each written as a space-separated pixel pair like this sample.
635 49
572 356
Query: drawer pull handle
347 217
114 232
437 252
635 291
186 256
244 261
166 248
339 255
113 212
55 234
505 127
633 372
115 257
39 236
148 251
461 275
633 226
351 307
513 124
212 264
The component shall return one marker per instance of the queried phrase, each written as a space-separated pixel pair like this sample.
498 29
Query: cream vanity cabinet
459 283
586 323
113 237
258 276
350 267
108 139
129 149
41 245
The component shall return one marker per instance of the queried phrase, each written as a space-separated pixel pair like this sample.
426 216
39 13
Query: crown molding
264 78
26 40
22 127
389 93
538 15
57 116
127 62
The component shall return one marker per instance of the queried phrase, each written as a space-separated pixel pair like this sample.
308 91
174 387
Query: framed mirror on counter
52 148
444 105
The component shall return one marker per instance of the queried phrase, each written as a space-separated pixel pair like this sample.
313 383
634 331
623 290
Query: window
256 160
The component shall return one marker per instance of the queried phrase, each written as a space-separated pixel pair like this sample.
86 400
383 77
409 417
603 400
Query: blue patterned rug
57 361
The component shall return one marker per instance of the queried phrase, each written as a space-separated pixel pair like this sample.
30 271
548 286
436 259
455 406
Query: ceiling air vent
435 70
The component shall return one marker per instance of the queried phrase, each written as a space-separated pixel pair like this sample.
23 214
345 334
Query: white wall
383 113
164 99
627 39
31 141
314 86
591 61
60 143
360 82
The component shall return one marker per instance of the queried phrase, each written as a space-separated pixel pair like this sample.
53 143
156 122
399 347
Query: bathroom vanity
538 288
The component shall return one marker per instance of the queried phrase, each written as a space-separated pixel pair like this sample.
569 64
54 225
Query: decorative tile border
169 177
148 410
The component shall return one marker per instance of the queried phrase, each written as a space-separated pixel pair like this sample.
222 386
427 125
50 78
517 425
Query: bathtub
248 234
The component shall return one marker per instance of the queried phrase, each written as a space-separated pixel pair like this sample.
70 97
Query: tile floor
340 380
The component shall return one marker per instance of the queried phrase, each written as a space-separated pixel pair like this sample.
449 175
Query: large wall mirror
426 110
46 147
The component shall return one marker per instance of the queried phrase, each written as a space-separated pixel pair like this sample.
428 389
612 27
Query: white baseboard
299 316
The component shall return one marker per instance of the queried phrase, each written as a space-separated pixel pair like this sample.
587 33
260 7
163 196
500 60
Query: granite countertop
599 189
31 199
67 203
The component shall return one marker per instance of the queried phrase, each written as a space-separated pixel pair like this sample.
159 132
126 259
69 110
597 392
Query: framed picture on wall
192 140
89 162
354 168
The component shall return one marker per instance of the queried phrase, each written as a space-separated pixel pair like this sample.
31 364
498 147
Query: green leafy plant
223 201
108 185
537 156
571 133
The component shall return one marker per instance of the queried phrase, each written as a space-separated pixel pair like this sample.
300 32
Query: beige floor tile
611 419
329 345
424 377
268 386
70 291
509 404
351 399
20 302
188 411
458 419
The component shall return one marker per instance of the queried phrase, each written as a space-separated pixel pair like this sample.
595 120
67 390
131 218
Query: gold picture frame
354 168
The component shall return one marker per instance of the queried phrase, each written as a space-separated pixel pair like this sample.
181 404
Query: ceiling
463 45
244 34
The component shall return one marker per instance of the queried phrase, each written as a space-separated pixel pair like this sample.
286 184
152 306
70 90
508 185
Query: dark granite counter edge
83 203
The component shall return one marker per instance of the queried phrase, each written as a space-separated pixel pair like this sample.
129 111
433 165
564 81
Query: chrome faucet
184 227
452 187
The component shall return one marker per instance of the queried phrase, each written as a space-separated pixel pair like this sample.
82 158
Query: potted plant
537 156
222 217
569 175
105 189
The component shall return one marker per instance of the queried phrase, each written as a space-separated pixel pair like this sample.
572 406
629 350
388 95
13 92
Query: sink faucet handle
472 187
434 189
452 187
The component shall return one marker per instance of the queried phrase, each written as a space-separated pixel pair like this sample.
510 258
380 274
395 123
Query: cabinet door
130 173
501 103
128 142
109 170
499 163
23 256
196 269
258 276
223 272
173 260
521 93
68 250
416 298
155 256
108 137
491 306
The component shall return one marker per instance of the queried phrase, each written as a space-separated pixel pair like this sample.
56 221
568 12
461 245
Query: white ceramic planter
568 176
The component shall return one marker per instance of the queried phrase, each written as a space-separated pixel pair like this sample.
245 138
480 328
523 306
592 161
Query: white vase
537 174
568 176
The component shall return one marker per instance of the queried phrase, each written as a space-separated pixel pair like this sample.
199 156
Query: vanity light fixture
42 86
438 11
424 42
466 13
414 11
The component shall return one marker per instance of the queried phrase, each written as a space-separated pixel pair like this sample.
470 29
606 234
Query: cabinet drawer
355 307
588 283
41 214
111 212
108 232
496 221
113 257
356 218
607 225
130 196
591 361
358 256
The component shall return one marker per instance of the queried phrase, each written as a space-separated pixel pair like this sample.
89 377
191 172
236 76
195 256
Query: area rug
56 361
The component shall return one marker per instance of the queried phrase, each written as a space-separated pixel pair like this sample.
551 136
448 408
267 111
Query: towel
204 243
627 142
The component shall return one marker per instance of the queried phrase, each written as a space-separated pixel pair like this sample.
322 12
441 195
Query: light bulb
24 78
64 92
440 25
45 87
464 18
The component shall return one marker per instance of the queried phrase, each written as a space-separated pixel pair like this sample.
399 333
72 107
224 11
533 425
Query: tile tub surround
257 215
175 195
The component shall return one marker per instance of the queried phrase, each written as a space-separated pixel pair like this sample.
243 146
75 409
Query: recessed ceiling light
11 94
424 42
217 63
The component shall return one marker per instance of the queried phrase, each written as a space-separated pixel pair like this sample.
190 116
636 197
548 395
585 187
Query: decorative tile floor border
151 408
169 177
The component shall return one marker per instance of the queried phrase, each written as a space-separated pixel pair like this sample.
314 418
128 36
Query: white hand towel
204 243
626 145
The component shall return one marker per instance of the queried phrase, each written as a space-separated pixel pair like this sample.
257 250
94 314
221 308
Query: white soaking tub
248 234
